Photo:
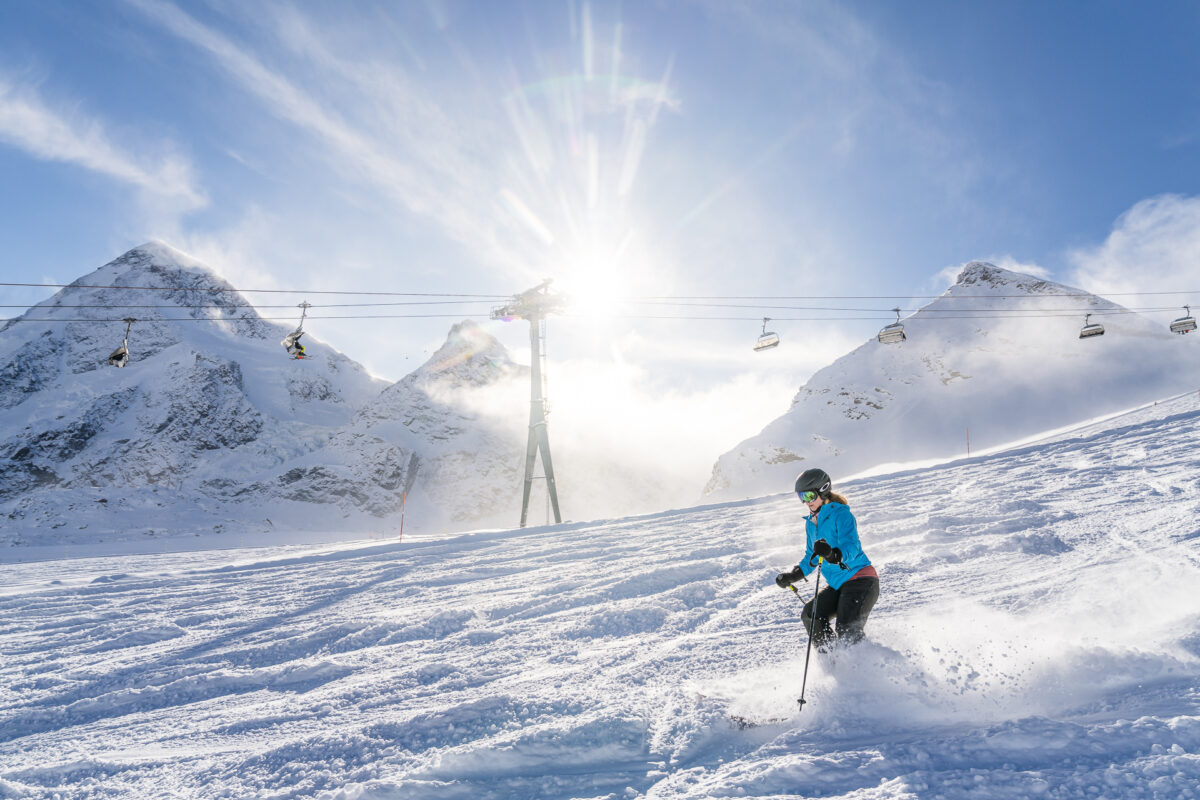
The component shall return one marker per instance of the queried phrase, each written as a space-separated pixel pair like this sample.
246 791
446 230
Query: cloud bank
1153 247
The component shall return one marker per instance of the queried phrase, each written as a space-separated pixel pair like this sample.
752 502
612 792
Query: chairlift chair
291 342
120 356
894 332
1090 329
768 339
1185 324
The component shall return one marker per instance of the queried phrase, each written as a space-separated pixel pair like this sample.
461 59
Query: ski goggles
808 497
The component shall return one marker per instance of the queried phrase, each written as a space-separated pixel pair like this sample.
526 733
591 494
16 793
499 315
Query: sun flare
594 293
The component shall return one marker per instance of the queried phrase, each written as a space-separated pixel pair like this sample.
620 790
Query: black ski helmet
814 480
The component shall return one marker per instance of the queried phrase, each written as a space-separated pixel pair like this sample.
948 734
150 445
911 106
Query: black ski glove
833 555
786 579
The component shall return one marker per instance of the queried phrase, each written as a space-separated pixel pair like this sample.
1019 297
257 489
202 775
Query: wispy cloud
28 123
496 171
285 99
408 151
1154 246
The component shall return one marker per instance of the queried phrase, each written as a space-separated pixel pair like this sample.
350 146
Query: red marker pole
403 503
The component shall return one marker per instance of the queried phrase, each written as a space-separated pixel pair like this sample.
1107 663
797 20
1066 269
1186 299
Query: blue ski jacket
836 525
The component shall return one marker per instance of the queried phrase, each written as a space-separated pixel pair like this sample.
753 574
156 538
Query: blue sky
671 148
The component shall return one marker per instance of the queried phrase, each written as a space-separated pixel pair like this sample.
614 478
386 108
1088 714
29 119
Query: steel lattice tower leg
539 439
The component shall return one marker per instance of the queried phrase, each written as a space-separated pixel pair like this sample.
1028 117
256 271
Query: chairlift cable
249 291
922 310
1122 310
891 296
177 306
247 319
467 315
628 298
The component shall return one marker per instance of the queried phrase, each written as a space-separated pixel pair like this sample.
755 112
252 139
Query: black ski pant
850 605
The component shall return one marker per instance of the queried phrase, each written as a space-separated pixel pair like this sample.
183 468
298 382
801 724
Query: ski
745 723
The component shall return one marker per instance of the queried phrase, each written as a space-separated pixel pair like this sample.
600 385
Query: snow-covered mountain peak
983 278
136 268
982 272
211 406
163 254
997 357
448 385
211 412
470 357
454 422
154 281
207 404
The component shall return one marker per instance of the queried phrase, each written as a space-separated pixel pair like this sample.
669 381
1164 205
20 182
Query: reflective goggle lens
807 497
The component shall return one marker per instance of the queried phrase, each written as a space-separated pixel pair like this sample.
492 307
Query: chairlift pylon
1090 329
291 342
1186 323
120 356
894 332
768 339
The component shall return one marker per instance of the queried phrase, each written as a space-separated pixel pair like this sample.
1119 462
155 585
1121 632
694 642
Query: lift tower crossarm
533 303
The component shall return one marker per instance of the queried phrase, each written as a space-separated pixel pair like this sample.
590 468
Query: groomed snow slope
1037 636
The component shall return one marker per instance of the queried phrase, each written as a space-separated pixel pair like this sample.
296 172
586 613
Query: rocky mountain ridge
212 425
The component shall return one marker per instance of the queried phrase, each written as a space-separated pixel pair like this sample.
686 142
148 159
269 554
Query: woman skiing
852 583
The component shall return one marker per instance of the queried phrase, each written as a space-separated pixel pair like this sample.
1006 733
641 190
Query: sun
593 291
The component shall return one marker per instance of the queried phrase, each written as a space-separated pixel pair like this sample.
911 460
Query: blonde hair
834 497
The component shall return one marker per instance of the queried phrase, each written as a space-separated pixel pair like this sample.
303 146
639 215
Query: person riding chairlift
292 344
832 539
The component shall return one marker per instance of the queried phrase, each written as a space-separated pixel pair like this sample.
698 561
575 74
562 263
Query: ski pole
811 627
